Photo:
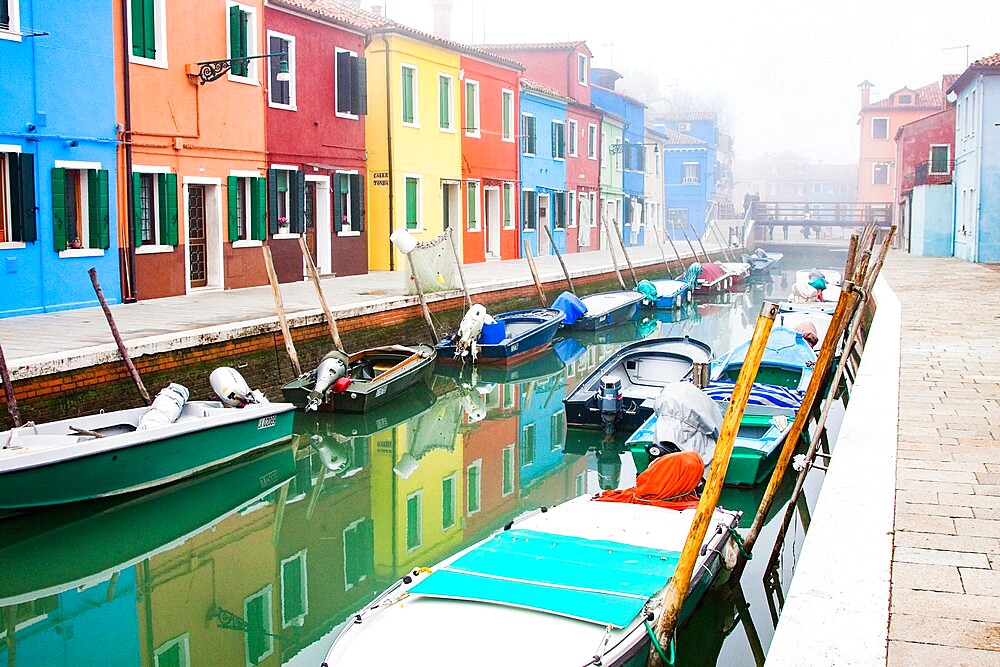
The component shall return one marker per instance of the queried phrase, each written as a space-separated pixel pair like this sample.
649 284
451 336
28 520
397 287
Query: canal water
262 562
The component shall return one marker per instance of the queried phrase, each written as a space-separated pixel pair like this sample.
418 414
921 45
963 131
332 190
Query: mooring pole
663 253
559 256
286 333
8 391
700 244
844 310
611 249
717 233
694 253
314 275
118 338
852 254
534 273
458 265
621 240
681 579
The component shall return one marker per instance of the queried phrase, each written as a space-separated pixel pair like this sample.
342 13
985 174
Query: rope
738 539
659 649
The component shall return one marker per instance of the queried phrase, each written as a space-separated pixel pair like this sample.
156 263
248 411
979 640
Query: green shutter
411 203
443 97
59 208
470 107
98 212
232 186
532 134
338 213
238 40
297 200
357 202
359 82
272 201
343 66
258 195
143 29
137 209
508 204
22 180
505 104
407 77
167 189
470 197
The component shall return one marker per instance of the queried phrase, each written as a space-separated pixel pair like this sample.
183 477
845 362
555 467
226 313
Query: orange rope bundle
668 482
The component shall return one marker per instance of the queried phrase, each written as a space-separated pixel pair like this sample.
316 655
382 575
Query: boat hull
163 455
529 333
601 318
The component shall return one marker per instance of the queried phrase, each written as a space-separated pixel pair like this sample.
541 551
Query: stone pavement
945 600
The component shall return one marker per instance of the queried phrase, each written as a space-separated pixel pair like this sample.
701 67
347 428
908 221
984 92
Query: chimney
866 87
376 10
442 18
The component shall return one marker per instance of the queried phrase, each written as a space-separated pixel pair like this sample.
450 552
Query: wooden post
845 307
694 253
458 265
611 249
552 241
534 273
314 275
852 253
700 244
423 301
118 338
8 391
677 254
621 240
681 579
286 334
663 253
859 316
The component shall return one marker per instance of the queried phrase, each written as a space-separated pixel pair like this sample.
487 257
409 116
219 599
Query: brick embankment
945 601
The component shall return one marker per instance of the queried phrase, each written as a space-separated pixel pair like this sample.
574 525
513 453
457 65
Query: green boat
113 453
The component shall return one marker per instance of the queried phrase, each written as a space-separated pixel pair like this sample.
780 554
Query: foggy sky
783 73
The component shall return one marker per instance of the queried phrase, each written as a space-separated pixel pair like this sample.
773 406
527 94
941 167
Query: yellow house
413 138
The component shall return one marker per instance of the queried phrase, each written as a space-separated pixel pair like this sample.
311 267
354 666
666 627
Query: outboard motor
609 401
166 407
469 329
232 389
331 369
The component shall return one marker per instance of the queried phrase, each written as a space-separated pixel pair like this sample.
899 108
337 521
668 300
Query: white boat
572 585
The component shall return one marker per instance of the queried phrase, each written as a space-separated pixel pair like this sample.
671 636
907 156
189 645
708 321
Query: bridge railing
823 214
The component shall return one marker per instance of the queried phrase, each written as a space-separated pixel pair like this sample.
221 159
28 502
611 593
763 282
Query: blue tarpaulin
570 306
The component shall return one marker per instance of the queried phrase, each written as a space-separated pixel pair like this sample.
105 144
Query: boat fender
166 407
544 509
508 525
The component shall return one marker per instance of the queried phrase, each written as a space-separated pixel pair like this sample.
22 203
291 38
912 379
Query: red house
316 135
925 157
491 457
490 111
565 67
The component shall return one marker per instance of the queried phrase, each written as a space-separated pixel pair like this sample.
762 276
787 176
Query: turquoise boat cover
785 347
597 581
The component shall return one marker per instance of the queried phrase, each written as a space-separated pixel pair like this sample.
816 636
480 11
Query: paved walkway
945 604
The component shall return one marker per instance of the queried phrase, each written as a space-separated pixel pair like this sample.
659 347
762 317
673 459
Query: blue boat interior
597 581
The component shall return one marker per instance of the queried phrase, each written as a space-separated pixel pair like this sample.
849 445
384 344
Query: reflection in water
261 562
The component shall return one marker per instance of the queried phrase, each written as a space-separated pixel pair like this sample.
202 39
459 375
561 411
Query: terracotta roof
343 13
536 46
983 65
476 51
674 137
928 97
686 115
538 87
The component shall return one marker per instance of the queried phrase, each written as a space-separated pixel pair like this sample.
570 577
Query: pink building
925 162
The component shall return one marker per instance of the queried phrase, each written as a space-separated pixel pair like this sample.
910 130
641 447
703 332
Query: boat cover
688 418
768 395
597 581
669 482
711 273
648 290
569 350
570 306
785 347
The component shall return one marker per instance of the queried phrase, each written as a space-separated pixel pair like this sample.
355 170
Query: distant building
977 163
685 184
790 177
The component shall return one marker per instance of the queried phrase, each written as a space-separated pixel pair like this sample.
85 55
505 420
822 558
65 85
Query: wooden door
197 242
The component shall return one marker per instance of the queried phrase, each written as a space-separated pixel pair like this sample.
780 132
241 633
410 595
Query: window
677 218
508 206
246 197
17 196
408 73
80 213
348 203
507 115
940 158
414 517
559 210
352 84
359 548
529 211
412 186
571 210
286 190
446 103
690 173
558 424
175 652
880 173
571 130
527 134
294 591
281 94
904 99
880 128
683 127
146 29
258 639
472 108
9 19
448 485
527 445
592 141
474 487
581 69
472 205
558 140
154 202
242 43
507 481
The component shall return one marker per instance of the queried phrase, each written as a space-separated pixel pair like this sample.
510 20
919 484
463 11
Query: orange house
193 161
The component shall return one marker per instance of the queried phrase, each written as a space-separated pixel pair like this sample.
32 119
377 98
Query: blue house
58 147
977 161
543 428
685 183
632 149
700 131
543 167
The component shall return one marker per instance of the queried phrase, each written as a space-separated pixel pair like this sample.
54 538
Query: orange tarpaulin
668 482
